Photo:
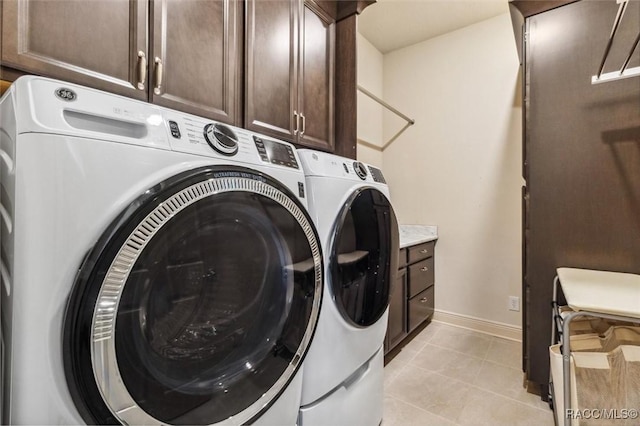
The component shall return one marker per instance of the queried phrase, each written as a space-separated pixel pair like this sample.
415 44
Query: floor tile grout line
447 349
396 374
406 364
473 386
477 388
399 398
475 378
410 361
464 353
453 350
493 341
512 399
517 401
502 364
488 350
422 409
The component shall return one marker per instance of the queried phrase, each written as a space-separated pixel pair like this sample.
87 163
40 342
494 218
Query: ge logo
66 94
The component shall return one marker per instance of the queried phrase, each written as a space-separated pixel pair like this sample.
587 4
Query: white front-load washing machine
156 268
343 371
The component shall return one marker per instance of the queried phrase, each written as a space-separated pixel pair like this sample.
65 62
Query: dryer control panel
323 164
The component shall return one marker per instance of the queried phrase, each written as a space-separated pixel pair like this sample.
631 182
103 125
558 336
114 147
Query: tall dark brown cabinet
99 44
581 160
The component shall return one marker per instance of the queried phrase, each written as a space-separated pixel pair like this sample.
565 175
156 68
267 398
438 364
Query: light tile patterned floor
452 376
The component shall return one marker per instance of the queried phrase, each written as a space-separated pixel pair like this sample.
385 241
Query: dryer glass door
364 256
198 306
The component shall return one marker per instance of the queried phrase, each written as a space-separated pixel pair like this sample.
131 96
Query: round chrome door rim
103 353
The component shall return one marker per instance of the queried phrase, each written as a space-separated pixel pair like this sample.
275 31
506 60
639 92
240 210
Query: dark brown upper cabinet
290 69
195 57
179 54
92 43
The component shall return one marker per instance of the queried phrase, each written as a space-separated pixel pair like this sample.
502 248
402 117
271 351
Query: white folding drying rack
601 294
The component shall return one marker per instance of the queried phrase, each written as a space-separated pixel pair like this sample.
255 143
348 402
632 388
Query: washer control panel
274 152
200 136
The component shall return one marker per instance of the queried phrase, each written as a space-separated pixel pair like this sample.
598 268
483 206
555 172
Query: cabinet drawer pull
424 269
296 116
304 124
424 300
142 70
424 251
158 76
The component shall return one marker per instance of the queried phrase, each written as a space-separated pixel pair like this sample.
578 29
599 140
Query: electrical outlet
514 303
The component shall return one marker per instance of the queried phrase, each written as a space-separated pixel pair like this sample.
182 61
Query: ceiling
393 24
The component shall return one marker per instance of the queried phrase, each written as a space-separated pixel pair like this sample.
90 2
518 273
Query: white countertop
417 234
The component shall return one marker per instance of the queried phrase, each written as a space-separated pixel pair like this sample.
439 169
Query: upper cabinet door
101 44
317 70
195 59
290 72
271 68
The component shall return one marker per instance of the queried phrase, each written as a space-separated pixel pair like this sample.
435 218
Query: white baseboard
494 328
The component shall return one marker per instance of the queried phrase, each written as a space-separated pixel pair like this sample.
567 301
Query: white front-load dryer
343 371
156 268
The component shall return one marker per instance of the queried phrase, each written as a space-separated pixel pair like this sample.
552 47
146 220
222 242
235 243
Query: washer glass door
364 257
204 303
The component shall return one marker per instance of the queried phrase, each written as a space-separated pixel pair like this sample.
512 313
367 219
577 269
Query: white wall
370 66
459 166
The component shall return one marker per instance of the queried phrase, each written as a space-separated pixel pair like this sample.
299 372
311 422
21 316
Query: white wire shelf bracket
410 121
623 72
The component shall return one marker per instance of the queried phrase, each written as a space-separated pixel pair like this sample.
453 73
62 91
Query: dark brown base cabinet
397 325
412 298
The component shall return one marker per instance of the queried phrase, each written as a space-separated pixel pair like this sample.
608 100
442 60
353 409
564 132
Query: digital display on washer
276 152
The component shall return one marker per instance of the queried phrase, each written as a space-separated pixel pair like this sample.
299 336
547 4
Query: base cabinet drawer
421 251
421 307
421 276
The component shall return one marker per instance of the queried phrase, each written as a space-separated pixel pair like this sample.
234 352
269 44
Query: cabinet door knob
424 269
304 124
423 251
158 76
296 116
142 69
424 300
